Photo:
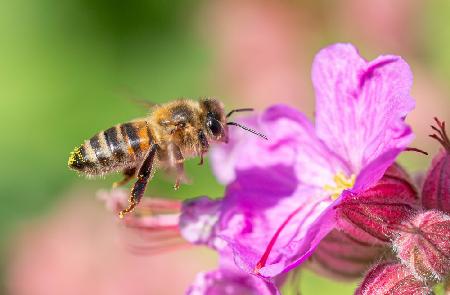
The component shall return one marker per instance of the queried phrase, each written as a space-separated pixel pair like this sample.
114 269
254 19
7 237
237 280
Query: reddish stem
413 149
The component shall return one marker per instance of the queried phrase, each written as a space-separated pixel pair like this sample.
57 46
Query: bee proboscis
171 133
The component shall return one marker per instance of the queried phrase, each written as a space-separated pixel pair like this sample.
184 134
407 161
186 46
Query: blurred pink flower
260 46
77 250
388 25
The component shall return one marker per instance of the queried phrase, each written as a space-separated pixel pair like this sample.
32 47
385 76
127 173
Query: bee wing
143 102
130 94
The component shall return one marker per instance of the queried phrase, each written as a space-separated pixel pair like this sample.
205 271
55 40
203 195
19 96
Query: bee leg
181 177
201 159
128 174
204 145
141 183
176 160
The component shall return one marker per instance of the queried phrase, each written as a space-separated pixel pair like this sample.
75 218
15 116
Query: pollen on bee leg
341 183
131 205
76 158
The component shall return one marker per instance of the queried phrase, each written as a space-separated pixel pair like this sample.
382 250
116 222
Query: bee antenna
248 129
239 110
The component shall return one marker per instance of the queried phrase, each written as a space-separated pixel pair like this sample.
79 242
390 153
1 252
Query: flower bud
340 257
424 245
371 216
436 188
393 279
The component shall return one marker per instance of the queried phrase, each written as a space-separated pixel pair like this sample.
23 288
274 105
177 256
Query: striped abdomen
119 147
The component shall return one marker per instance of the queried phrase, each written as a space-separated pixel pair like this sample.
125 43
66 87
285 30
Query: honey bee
171 133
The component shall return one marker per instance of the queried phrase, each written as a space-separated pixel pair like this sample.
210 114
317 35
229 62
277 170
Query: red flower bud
391 279
372 216
436 188
339 256
424 245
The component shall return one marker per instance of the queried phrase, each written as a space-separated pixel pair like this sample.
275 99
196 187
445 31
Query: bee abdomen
114 149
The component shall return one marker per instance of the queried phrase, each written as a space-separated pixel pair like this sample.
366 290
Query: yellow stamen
342 182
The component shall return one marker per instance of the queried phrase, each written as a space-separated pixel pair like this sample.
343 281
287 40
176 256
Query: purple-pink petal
375 170
198 220
292 142
255 206
361 105
225 281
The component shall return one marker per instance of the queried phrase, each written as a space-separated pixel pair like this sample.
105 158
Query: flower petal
224 281
292 142
361 105
375 170
198 220
257 203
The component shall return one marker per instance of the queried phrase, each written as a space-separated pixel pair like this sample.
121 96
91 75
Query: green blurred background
71 68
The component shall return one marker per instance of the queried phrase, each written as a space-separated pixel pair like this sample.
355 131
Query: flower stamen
342 182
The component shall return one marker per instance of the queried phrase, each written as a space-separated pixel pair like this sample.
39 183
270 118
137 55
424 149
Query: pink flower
246 58
77 250
151 229
224 281
282 193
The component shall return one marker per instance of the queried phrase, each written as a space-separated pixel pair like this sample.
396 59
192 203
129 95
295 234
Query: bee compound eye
215 127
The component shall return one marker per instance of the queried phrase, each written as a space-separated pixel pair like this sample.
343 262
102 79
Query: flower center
341 183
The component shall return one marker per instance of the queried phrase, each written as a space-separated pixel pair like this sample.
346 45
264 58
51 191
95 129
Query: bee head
215 121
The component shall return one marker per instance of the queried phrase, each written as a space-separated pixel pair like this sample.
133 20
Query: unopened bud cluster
394 279
436 188
424 245
417 227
